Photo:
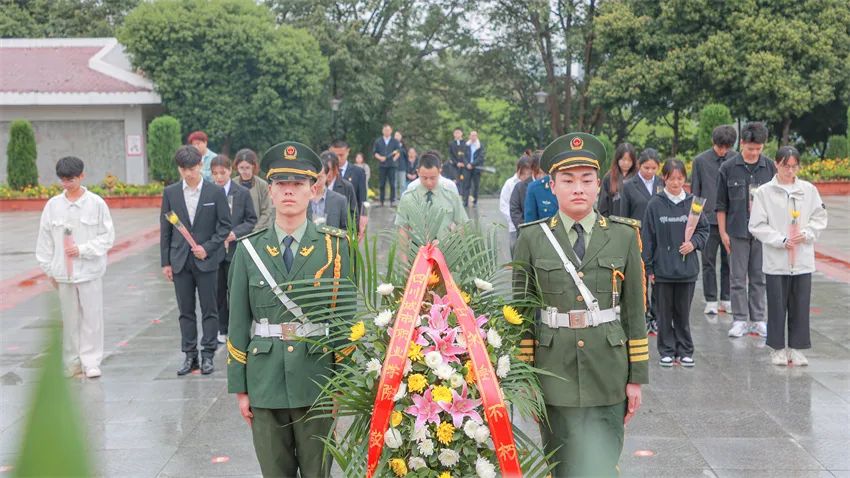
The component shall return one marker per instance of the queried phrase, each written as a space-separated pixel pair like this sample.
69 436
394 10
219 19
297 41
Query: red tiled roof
56 70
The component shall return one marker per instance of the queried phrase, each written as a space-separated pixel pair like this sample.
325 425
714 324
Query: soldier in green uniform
587 270
273 364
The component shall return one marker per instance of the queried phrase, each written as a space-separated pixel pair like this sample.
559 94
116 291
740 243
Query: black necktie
429 196
578 246
287 252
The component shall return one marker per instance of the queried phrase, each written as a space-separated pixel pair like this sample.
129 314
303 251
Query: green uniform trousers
586 441
287 439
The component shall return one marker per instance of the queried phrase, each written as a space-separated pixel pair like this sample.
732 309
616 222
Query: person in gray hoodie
671 262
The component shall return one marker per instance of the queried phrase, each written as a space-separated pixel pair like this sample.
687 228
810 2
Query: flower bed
118 195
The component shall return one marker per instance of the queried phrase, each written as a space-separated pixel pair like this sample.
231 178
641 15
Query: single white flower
444 371
320 220
484 469
383 318
373 365
433 359
470 427
386 289
416 462
493 338
483 285
419 434
482 434
426 447
408 367
456 380
503 366
448 457
401 393
393 438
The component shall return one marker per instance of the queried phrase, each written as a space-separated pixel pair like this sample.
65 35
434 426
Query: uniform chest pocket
259 347
736 188
551 276
605 275
263 300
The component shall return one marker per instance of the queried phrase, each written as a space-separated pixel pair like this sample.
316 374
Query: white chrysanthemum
444 371
416 462
456 380
484 469
448 458
419 434
482 434
503 366
386 289
373 365
470 427
383 318
493 338
320 220
433 359
483 285
393 438
401 393
426 447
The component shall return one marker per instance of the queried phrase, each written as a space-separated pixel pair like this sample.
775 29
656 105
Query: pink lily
445 344
479 323
424 409
461 407
438 318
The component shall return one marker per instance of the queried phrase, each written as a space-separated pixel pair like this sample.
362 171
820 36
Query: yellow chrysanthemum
441 393
417 382
172 218
470 373
415 352
398 466
696 208
511 315
466 297
445 474
795 214
358 330
433 279
445 433
395 418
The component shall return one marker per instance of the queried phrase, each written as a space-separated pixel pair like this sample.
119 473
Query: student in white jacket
788 257
76 270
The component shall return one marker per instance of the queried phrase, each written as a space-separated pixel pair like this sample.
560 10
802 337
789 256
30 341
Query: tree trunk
786 131
674 149
568 77
544 46
588 67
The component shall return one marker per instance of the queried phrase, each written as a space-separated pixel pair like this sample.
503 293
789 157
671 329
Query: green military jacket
596 362
279 373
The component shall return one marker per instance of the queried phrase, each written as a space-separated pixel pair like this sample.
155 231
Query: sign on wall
134 145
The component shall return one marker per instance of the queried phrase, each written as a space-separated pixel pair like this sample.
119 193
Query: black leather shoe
207 365
191 363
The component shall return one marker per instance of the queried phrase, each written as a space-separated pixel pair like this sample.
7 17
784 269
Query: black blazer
242 215
357 177
211 227
387 149
457 151
346 189
479 158
635 196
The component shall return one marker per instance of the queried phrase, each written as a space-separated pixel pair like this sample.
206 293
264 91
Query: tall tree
62 18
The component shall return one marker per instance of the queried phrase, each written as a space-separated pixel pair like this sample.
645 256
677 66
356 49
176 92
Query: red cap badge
576 143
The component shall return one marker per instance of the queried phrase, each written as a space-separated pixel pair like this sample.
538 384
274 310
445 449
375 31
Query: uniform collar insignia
602 221
553 222
272 250
305 251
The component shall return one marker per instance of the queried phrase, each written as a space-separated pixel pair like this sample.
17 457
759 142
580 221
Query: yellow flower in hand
395 418
358 330
398 466
172 218
416 382
795 213
445 433
696 208
511 315
441 393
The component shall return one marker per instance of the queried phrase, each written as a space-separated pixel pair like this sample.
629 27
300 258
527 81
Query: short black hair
672 165
535 160
220 161
457 129
648 154
69 167
785 153
754 132
340 143
430 159
187 157
724 135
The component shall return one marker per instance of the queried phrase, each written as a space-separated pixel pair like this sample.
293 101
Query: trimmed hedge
836 147
711 116
163 141
21 168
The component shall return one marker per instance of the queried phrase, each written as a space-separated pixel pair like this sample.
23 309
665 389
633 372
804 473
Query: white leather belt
289 330
577 319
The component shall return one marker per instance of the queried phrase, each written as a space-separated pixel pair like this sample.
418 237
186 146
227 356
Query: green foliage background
21 168
710 117
163 141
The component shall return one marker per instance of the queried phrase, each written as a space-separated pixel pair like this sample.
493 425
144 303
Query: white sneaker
710 308
93 372
222 338
739 328
687 361
760 328
666 361
726 306
779 357
797 358
73 370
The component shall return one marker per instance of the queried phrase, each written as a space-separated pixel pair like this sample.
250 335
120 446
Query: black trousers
471 180
709 267
185 283
788 296
674 326
221 294
651 299
387 176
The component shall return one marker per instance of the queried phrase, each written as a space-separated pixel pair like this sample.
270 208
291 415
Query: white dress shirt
192 197
505 200
677 198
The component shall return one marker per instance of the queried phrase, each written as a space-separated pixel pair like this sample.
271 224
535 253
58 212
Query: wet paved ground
733 415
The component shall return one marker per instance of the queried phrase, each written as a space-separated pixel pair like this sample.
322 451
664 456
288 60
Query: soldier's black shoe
207 365
191 363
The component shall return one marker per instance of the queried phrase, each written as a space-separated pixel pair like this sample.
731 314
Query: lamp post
541 102
335 102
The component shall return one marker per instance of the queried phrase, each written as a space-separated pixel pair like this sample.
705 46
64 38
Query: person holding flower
787 218
671 261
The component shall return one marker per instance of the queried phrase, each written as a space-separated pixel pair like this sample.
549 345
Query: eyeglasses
790 167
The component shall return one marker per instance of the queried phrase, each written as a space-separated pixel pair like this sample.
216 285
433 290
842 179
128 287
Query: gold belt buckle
578 319
288 331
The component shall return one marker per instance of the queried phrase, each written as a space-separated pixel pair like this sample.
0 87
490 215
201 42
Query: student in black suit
202 208
473 160
457 151
243 218
387 151
336 183
357 177
328 206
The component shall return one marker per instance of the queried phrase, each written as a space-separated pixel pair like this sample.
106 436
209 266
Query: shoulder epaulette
625 220
252 234
534 222
325 229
